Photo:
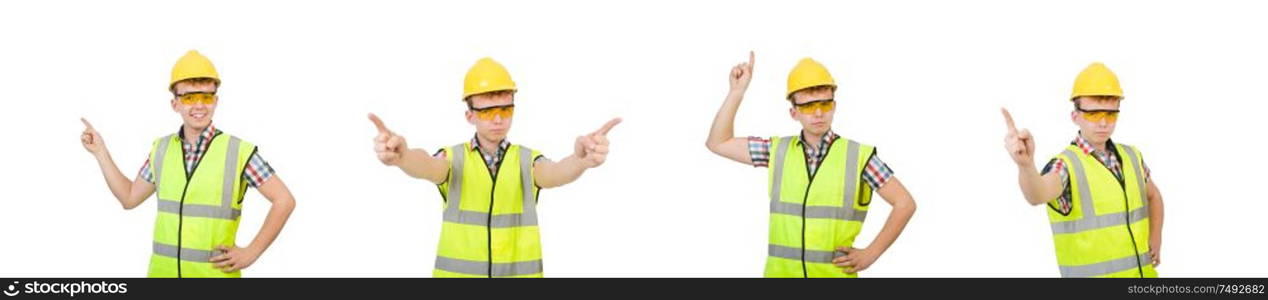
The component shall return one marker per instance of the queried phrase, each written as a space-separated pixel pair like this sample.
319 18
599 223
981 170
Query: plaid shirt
875 175
1107 158
491 160
257 171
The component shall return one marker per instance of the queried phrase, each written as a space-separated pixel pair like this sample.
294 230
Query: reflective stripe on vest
189 227
1088 227
512 221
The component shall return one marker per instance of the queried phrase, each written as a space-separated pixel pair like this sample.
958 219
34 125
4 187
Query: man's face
498 124
197 114
815 122
1098 131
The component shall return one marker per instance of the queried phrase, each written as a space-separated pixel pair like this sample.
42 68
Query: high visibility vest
813 214
490 220
1106 233
198 211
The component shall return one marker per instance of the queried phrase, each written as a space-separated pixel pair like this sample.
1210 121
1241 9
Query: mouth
198 115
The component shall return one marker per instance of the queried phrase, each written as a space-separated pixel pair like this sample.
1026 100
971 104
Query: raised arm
130 193
722 140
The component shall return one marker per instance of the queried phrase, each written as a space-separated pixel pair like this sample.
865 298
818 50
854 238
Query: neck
812 140
1095 145
487 145
191 134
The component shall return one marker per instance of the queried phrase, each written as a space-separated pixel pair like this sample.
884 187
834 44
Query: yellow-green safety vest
490 220
813 214
199 211
1107 236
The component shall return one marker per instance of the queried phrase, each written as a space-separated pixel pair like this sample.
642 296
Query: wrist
1027 167
103 156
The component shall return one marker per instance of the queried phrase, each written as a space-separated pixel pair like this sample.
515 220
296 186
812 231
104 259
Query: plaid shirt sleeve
145 172
1064 204
877 172
1145 167
258 171
759 151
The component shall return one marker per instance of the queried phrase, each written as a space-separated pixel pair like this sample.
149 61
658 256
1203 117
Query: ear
792 113
1074 117
470 116
174 107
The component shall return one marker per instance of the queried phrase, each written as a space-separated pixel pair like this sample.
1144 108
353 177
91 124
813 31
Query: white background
921 80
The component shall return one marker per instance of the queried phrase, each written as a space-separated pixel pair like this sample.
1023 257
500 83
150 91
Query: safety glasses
192 98
487 113
1096 115
809 108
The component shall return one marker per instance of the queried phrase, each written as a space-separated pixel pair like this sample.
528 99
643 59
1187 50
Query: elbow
287 204
713 146
130 205
908 207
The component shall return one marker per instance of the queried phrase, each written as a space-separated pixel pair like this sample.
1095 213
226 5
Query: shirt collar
204 136
1087 147
475 144
825 140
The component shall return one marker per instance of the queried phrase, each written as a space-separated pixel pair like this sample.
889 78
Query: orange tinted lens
1097 116
192 98
488 113
810 108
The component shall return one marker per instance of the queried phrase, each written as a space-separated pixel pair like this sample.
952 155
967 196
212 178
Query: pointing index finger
608 127
86 124
378 123
1008 118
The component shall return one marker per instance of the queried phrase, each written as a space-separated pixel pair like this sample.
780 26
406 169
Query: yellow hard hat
193 65
487 75
808 73
1096 80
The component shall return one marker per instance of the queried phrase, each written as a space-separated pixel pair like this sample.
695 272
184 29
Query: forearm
1032 185
279 213
418 164
894 225
559 173
120 186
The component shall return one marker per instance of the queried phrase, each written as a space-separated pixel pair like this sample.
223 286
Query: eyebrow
495 106
196 92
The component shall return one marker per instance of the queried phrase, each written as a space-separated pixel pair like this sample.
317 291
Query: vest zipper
180 215
804 197
488 226
1127 216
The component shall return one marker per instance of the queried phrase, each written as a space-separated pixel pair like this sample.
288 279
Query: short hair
196 81
493 93
1099 98
817 88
